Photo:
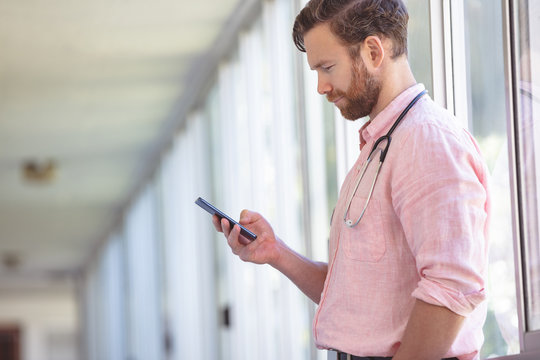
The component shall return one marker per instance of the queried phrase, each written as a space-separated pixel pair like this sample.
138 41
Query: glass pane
419 42
488 123
528 109
142 299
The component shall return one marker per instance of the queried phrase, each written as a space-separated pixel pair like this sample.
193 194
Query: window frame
449 71
529 340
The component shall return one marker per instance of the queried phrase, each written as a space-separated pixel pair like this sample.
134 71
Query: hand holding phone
215 211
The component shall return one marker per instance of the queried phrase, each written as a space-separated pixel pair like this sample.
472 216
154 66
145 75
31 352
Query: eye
327 68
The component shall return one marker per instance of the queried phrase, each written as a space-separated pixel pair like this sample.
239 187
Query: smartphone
215 211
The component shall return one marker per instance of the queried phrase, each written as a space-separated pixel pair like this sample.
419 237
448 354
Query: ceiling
95 87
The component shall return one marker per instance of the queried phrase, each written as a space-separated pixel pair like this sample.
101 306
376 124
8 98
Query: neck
397 78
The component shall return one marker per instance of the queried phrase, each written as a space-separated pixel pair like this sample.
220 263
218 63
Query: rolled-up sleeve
440 195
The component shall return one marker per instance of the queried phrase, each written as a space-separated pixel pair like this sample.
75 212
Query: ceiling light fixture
11 261
40 172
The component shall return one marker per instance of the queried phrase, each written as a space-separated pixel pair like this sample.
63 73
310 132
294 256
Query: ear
373 52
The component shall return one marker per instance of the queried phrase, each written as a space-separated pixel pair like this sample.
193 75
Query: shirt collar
378 126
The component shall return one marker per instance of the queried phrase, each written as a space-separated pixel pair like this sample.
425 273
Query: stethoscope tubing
384 151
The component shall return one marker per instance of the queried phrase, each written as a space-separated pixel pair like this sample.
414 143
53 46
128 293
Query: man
408 247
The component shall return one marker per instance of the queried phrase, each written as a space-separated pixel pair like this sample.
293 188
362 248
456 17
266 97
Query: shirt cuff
435 293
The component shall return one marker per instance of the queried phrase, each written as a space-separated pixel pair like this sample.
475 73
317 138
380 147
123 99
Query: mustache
334 96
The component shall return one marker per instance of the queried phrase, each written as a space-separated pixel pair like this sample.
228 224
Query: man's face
361 96
345 82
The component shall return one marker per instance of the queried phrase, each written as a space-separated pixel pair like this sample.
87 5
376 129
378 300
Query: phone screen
215 211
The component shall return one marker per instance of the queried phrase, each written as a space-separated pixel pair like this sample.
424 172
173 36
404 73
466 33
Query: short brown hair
352 21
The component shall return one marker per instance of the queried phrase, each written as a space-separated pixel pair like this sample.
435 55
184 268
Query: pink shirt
423 236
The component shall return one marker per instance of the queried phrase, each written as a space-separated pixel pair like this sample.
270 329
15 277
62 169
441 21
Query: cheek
340 84
344 80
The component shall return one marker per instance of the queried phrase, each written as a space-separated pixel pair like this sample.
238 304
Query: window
419 42
143 338
255 156
487 120
526 15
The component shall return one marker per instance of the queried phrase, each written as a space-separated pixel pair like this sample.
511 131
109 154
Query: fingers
222 225
216 220
246 217
225 227
234 239
236 242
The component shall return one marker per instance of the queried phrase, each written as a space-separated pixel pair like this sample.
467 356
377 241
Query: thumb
247 216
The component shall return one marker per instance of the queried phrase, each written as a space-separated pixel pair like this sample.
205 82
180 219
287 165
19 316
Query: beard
361 96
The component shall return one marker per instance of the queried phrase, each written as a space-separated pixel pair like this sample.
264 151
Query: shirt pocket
367 240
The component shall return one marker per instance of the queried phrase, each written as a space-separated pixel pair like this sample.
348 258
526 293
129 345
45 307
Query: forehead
322 45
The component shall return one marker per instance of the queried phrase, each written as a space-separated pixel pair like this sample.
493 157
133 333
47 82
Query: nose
323 85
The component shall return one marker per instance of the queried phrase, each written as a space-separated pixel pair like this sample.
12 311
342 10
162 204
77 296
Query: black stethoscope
373 151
